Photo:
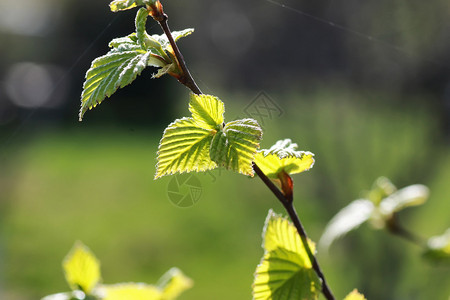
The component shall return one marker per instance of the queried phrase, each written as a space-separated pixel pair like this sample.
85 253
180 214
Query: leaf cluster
203 141
82 272
128 57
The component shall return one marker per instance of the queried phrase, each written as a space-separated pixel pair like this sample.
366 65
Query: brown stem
189 82
186 77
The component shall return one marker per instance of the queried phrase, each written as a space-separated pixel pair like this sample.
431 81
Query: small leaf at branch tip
355 295
119 5
438 248
283 157
81 268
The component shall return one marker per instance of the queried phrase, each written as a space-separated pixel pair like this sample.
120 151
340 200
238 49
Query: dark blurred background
365 85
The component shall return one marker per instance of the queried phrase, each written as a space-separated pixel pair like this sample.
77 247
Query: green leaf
127 59
184 148
355 295
207 111
132 291
283 157
118 5
173 283
235 146
381 188
164 41
285 271
167 69
280 275
109 73
347 219
412 195
438 248
202 143
181 34
185 145
144 39
280 233
81 268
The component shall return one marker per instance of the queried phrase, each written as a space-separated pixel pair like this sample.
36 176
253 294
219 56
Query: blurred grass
96 185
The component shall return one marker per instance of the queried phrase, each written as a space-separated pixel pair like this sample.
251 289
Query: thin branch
189 82
186 77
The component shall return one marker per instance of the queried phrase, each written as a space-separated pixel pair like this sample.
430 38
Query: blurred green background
363 85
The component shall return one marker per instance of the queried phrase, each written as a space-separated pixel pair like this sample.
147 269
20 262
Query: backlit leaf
109 73
186 143
207 111
81 268
128 57
118 5
347 219
132 291
173 283
235 146
381 188
285 271
412 195
184 147
355 295
280 233
126 60
170 286
164 41
283 157
438 248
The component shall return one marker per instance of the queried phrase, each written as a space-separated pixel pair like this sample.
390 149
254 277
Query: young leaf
235 146
118 5
173 283
347 219
134 291
207 111
145 41
438 248
164 41
184 148
355 295
285 271
185 145
381 188
126 60
412 195
81 268
281 276
201 142
283 157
